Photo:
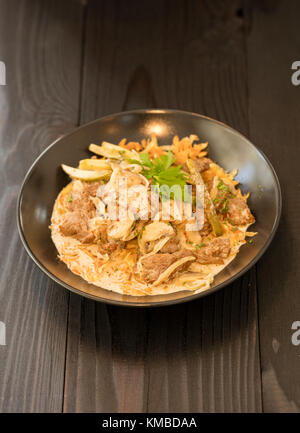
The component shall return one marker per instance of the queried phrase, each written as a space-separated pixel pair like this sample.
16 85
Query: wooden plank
201 356
40 43
273 45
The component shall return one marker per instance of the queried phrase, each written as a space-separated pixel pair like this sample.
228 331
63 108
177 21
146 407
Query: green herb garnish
163 173
224 188
221 186
226 206
250 241
70 199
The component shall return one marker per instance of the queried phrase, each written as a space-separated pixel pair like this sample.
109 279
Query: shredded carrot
153 149
185 148
131 145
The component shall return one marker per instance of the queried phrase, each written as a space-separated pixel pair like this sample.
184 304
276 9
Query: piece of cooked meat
239 212
202 164
154 265
76 224
108 247
86 237
81 199
92 187
214 252
206 229
171 246
221 201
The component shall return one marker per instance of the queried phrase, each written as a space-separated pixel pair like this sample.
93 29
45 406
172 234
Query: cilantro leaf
134 161
144 157
162 173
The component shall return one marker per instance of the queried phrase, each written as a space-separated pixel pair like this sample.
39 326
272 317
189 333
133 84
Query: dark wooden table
68 62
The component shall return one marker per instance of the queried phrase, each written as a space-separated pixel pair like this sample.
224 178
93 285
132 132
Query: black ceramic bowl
227 147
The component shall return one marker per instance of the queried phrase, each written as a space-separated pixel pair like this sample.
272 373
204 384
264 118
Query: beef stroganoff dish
110 224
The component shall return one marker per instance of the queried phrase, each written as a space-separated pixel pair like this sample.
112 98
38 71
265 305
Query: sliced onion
157 247
164 275
154 231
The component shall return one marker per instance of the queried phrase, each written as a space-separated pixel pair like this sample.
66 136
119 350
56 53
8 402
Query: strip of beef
76 224
221 201
92 187
154 265
80 210
80 199
202 164
239 212
171 246
206 229
106 246
214 252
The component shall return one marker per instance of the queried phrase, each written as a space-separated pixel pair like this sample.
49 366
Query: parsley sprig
162 172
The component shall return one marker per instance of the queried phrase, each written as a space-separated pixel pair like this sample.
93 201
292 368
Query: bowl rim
155 303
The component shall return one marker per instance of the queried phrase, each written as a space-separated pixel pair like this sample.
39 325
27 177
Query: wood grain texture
40 43
275 128
201 356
